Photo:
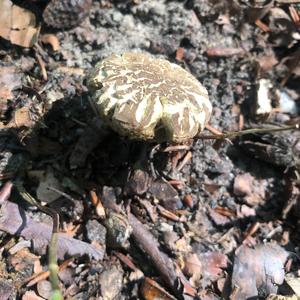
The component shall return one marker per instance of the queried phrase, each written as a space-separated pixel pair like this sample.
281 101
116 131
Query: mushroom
151 99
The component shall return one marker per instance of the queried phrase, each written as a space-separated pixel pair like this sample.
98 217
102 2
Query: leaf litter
240 194
16 221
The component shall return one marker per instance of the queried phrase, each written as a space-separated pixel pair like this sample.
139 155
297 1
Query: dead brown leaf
21 118
213 263
188 200
15 220
18 25
70 229
37 267
257 271
151 290
138 182
164 192
96 201
193 268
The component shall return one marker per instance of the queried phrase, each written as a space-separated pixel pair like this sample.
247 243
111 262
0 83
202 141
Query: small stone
64 14
118 230
96 231
111 282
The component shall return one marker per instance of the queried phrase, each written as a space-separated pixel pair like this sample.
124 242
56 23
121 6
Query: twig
34 279
51 188
213 130
185 160
42 66
126 260
277 229
262 26
169 215
5 192
52 256
160 260
176 148
287 1
253 229
224 52
233 134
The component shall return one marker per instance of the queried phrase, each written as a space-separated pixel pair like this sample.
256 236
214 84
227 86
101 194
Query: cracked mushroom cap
146 98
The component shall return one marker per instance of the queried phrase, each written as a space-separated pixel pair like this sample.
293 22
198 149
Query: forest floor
222 220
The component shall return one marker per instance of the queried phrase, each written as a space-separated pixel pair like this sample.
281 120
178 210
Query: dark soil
228 194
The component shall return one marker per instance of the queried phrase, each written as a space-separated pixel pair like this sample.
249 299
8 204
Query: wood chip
18 25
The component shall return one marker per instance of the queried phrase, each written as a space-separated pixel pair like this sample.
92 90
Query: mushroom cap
146 98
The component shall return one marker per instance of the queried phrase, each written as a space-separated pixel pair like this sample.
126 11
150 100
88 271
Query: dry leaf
257 270
192 265
213 263
165 193
18 25
5 192
151 290
193 268
15 221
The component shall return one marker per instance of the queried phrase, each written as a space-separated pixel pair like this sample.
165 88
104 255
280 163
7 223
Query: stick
233 134
52 257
